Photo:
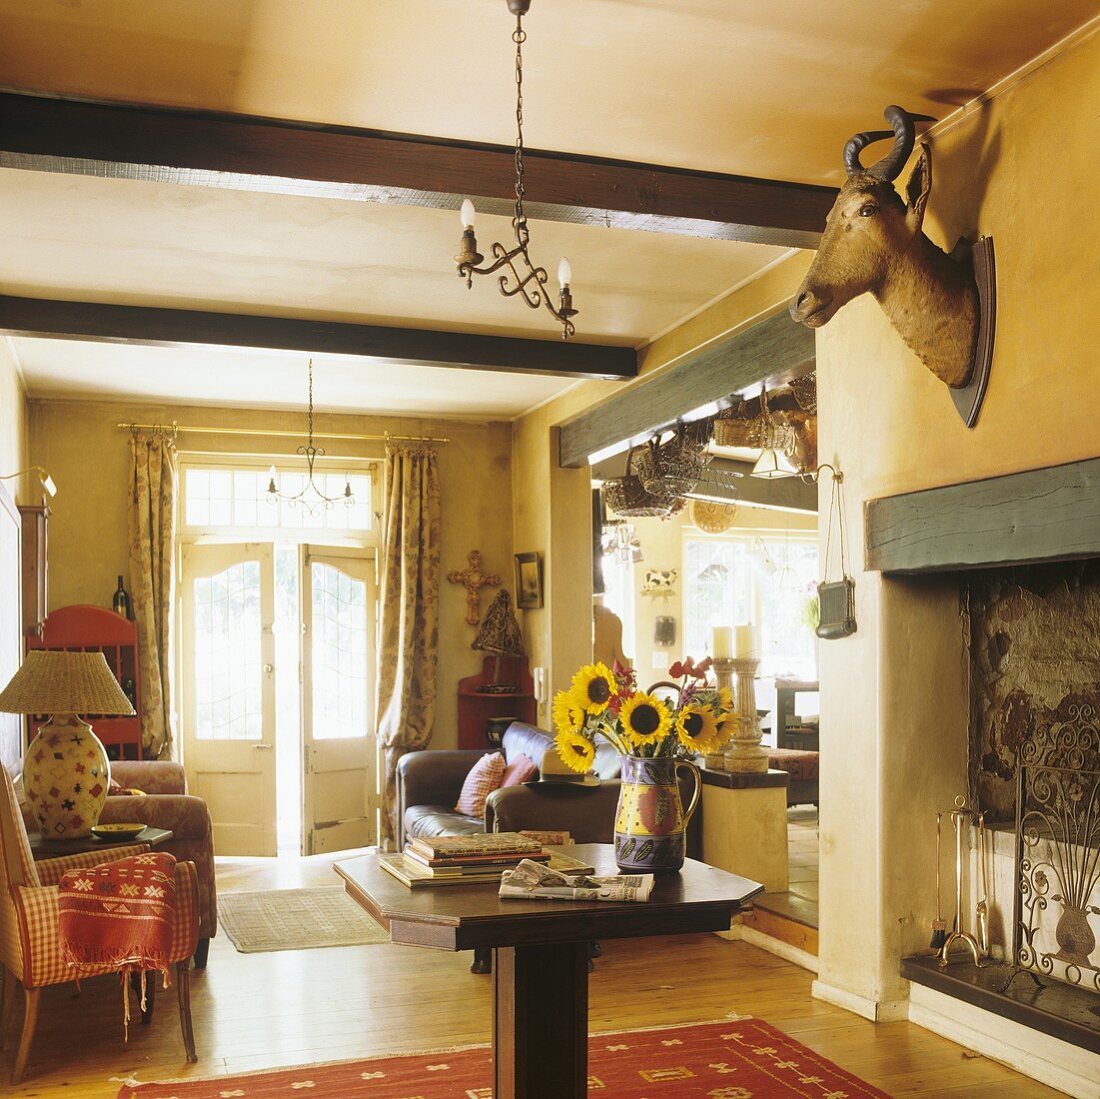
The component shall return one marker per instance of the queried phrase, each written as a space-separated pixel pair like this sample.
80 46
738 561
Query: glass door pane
339 652
227 664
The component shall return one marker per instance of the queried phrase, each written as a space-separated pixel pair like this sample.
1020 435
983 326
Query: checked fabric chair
29 948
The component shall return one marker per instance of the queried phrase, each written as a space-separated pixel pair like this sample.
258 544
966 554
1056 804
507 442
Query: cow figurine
873 243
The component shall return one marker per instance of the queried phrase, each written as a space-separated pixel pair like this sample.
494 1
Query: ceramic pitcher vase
650 821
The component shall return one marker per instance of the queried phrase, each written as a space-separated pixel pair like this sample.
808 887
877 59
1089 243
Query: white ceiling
725 85
242 378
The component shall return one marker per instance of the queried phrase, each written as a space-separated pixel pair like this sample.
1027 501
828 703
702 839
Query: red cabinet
85 628
477 705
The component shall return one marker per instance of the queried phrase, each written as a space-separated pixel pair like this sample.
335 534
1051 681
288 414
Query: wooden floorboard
260 1011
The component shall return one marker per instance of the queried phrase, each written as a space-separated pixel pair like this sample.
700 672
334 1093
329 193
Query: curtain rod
385 436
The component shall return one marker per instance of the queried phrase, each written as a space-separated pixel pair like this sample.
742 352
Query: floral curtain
409 645
151 523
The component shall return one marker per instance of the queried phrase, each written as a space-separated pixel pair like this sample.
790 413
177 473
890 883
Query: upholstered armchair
29 943
168 805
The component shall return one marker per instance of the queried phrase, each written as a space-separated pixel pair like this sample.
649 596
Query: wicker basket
675 466
737 427
628 497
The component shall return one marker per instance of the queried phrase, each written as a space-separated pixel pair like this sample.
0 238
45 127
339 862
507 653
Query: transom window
224 498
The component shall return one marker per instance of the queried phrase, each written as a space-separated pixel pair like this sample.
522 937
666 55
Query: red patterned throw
746 1059
119 914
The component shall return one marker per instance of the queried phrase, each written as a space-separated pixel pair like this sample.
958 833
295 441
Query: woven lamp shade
50 682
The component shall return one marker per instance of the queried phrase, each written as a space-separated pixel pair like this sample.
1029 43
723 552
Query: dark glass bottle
121 601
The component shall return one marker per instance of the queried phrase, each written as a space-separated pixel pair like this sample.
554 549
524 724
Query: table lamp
66 771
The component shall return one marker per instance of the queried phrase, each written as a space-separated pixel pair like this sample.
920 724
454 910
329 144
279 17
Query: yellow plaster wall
893 703
13 429
87 455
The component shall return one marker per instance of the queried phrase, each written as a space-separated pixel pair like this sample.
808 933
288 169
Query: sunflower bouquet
605 702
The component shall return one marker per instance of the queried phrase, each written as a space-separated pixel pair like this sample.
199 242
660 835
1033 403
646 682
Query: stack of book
465 860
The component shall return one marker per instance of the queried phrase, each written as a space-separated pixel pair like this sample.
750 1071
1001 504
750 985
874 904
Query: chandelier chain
310 428
519 36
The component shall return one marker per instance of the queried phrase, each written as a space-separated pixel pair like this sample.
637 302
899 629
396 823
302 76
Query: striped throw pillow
483 779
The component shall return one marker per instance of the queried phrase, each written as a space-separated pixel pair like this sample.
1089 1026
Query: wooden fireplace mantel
1050 514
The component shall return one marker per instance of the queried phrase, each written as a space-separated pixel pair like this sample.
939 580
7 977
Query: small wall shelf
476 707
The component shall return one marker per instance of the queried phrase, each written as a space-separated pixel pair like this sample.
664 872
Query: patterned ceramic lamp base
65 776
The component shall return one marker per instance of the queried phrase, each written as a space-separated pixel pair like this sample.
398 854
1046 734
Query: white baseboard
878 1011
1044 1058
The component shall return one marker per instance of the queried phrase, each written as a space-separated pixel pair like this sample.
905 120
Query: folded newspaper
536 881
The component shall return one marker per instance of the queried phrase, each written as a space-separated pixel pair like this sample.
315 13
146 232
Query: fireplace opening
1034 775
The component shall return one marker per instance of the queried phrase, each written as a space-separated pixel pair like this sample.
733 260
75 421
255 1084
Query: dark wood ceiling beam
772 350
282 156
82 320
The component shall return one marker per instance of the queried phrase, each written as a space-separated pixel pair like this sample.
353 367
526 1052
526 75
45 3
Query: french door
339 802
301 702
228 704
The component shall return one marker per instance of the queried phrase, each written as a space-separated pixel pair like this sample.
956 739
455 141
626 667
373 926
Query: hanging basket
628 497
737 427
675 466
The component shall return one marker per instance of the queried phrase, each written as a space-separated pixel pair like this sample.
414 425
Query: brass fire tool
960 814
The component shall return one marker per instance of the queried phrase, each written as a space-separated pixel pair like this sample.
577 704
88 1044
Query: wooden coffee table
540 953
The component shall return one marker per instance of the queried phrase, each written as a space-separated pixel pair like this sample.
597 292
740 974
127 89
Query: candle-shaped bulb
271 479
565 272
466 214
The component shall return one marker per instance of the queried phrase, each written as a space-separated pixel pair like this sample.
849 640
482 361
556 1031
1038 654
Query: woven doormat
296 919
746 1059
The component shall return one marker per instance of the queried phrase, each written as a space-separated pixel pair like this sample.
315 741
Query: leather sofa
429 782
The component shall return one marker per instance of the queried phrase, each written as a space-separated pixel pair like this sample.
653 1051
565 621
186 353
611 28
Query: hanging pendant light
778 443
311 498
527 280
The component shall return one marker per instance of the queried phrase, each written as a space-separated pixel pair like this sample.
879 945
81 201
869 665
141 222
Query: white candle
721 642
746 641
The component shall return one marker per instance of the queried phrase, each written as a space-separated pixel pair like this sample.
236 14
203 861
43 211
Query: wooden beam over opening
774 347
734 485
83 320
1048 514
282 156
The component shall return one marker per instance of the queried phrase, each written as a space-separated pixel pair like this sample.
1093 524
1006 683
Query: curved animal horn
856 144
903 133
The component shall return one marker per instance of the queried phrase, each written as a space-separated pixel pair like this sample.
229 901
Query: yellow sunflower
568 716
725 698
697 729
645 719
726 728
575 749
593 687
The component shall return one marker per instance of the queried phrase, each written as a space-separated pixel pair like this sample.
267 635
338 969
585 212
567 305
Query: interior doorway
276 665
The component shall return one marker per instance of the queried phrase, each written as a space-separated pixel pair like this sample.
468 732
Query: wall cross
473 579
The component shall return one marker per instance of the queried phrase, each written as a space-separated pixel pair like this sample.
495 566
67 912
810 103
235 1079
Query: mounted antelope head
873 243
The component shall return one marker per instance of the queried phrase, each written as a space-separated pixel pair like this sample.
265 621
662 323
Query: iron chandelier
529 281
311 498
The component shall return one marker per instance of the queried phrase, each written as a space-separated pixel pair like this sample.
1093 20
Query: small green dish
117 831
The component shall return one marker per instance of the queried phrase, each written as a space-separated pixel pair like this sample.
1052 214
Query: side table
42 848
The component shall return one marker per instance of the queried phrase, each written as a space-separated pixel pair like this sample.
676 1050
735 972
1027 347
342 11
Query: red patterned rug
746 1059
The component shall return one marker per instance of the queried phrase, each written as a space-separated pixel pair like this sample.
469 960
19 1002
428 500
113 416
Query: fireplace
1026 550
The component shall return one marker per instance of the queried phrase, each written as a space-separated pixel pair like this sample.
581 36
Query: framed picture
528 580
